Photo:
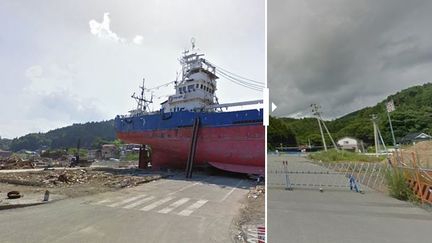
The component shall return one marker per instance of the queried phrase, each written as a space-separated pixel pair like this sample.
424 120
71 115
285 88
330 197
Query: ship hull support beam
192 149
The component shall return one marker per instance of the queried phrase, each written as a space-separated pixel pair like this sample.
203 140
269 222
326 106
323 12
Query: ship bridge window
190 88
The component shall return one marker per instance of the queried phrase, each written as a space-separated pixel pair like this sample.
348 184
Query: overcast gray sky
345 55
76 61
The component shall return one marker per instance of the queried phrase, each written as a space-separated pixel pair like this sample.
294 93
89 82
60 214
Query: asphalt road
168 210
307 215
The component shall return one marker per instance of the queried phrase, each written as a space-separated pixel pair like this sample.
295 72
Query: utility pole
315 110
377 135
374 117
331 138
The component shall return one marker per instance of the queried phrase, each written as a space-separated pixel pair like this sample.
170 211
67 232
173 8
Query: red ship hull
234 148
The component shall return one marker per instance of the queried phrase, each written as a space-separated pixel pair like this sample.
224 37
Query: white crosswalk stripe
174 205
102 201
151 203
157 204
126 201
139 202
189 210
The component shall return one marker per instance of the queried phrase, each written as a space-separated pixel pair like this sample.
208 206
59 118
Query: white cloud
102 30
138 39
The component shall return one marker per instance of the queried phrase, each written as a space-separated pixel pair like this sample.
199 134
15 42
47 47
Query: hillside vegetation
413 114
90 134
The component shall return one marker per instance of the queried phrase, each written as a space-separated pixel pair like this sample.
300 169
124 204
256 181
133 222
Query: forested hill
413 114
90 134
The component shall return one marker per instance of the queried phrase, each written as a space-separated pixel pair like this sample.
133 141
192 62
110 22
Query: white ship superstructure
197 87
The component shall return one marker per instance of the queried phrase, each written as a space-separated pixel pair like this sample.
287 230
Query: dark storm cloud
345 55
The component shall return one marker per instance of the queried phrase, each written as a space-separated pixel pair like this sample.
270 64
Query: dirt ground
251 215
73 183
422 151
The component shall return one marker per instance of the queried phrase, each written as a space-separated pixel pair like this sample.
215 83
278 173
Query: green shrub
333 155
398 186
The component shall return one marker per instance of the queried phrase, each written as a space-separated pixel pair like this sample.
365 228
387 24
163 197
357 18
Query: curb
12 206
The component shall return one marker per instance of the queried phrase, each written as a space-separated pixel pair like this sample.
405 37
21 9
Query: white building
352 144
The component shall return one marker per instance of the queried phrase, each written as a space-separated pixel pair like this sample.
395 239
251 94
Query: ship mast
142 102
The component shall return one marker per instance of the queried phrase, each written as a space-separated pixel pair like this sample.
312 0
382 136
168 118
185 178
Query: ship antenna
193 42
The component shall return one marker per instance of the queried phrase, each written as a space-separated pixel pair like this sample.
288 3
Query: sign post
391 108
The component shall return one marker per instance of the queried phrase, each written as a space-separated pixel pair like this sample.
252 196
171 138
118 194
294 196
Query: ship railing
138 114
226 105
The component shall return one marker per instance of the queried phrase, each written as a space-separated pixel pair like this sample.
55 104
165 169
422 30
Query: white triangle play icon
273 107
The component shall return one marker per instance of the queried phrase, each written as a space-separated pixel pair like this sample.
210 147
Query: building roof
415 136
358 140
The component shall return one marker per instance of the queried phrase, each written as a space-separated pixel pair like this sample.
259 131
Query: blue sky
54 71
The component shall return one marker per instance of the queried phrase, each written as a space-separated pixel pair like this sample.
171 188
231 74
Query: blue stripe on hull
162 121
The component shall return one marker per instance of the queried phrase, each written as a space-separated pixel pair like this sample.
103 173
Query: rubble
18 162
256 192
76 177
14 162
251 216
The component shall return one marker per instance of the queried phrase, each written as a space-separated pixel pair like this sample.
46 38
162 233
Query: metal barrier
290 172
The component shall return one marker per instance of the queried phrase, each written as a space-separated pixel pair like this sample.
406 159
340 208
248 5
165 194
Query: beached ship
191 126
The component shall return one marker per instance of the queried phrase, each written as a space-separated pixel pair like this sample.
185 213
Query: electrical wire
236 75
160 86
241 81
246 85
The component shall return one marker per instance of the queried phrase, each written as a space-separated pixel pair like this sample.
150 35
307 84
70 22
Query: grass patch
132 157
333 155
398 186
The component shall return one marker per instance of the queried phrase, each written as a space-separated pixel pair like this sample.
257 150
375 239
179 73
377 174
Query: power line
160 86
241 81
256 88
236 75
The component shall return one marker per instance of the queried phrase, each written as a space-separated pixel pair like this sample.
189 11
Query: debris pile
70 178
14 162
251 216
256 192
